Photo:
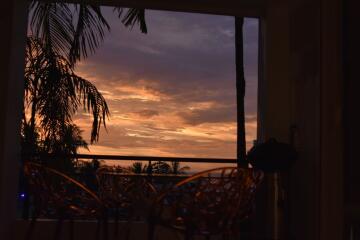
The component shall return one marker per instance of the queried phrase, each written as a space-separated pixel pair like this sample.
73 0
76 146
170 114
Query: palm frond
52 24
93 102
161 167
73 139
60 92
76 30
176 169
70 30
133 16
89 33
138 167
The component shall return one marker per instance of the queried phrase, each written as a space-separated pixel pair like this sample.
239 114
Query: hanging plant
272 156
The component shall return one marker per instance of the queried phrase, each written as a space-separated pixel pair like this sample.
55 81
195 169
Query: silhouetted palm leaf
68 141
161 167
138 167
133 16
176 169
76 30
89 32
52 23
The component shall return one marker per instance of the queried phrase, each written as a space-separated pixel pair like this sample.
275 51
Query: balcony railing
151 158
158 179
126 196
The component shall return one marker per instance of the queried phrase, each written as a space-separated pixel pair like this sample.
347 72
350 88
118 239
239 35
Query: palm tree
240 92
138 167
87 174
61 34
175 168
67 142
53 94
161 167
76 30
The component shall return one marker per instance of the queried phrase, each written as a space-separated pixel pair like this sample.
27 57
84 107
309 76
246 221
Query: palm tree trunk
33 109
240 92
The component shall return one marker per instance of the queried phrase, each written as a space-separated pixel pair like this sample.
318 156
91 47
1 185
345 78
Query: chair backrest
209 202
57 195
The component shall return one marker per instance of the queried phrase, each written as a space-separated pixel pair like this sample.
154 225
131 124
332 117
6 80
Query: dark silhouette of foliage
133 16
76 30
175 168
86 173
159 167
54 93
138 167
60 35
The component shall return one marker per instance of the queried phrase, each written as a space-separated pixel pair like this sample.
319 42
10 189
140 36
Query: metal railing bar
134 158
151 158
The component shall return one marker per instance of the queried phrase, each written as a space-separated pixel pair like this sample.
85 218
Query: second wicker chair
213 202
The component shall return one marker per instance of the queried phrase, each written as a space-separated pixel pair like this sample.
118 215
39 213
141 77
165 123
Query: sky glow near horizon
171 92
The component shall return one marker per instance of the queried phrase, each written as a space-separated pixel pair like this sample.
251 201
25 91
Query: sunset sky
171 92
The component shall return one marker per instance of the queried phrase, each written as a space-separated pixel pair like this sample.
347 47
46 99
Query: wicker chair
213 202
126 195
55 195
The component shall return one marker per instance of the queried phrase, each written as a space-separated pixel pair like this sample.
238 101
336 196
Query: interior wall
274 118
303 91
352 120
5 25
332 122
12 45
351 46
305 74
315 191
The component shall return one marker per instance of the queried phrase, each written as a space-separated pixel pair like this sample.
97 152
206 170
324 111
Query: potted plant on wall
272 156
